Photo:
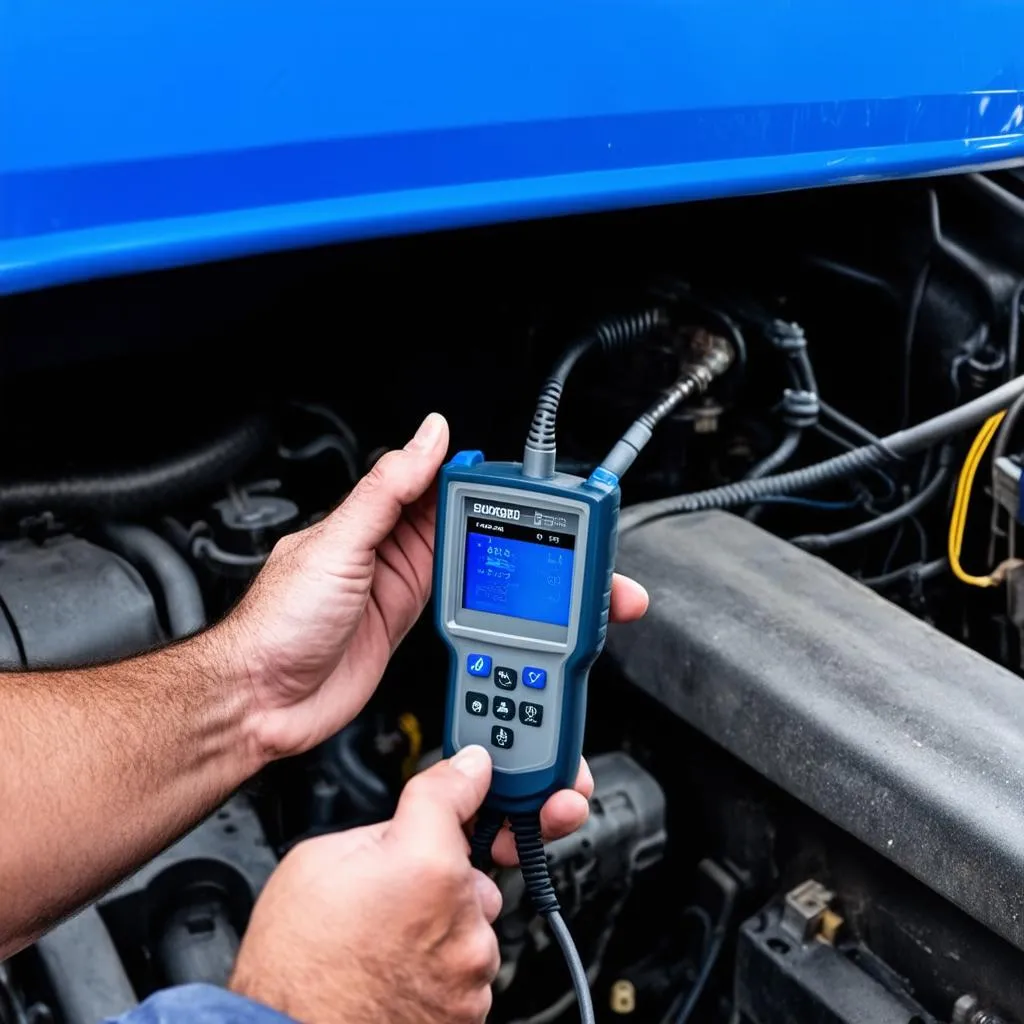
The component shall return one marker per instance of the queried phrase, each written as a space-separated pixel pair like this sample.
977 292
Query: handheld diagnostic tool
523 561
523 585
523 566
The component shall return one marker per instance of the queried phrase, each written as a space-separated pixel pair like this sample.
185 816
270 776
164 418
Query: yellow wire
963 495
958 521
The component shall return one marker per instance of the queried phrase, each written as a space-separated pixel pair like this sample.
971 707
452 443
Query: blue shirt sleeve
200 1004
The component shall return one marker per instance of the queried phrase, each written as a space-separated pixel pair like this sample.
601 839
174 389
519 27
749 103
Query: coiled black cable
534 866
613 333
533 862
485 831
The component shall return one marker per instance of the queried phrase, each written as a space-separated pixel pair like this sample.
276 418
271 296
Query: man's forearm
102 767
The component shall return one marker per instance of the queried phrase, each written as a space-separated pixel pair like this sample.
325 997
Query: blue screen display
525 579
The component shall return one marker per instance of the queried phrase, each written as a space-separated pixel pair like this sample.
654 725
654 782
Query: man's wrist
223 653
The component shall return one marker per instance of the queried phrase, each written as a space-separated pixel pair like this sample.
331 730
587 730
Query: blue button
468 459
537 678
603 479
479 665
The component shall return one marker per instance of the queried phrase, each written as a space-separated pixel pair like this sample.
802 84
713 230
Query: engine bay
808 757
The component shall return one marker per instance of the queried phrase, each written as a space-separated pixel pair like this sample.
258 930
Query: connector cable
534 867
709 357
485 831
611 334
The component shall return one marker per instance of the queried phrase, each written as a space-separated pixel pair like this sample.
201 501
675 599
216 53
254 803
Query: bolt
623 997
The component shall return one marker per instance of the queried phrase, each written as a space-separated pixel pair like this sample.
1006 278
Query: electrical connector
1006 484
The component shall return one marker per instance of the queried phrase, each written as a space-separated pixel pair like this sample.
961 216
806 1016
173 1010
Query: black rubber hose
803 362
135 492
161 567
824 541
771 462
1007 199
918 571
904 442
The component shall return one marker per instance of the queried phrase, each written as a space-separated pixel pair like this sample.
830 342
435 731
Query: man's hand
384 923
333 602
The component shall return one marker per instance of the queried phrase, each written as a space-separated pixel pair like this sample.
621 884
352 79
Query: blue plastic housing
527 791
144 135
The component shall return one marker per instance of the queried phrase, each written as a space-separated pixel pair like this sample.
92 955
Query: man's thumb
397 479
436 804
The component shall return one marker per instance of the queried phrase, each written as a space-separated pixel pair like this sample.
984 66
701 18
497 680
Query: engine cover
69 602
900 735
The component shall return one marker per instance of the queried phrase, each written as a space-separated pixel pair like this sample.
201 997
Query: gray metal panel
895 732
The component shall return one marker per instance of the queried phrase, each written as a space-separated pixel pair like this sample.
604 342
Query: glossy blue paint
137 136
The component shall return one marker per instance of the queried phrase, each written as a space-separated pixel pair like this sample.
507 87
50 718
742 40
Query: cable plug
800 409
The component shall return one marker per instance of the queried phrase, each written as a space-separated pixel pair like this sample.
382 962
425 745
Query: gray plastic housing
514 643
892 730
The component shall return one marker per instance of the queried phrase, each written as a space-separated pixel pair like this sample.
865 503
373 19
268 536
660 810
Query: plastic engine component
69 602
625 832
872 718
782 980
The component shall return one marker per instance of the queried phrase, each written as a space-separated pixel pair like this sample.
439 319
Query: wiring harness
901 444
